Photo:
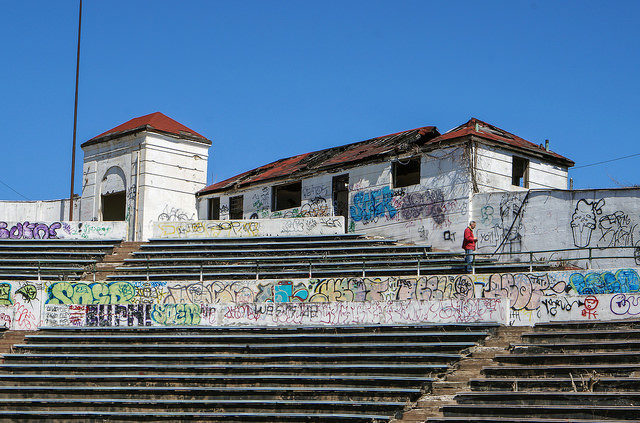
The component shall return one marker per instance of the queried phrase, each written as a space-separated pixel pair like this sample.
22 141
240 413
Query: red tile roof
155 122
328 158
401 142
485 130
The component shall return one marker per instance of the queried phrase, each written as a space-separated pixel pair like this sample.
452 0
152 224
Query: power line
26 198
606 161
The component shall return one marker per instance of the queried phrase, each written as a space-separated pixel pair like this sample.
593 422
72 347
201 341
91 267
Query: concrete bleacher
288 257
52 258
577 372
241 374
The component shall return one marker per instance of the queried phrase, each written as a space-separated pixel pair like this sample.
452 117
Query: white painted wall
250 228
436 211
171 171
494 171
38 229
561 219
33 211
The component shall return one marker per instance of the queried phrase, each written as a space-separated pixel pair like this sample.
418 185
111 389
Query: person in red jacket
469 244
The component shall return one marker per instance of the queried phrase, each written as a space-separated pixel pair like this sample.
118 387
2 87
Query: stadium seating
561 372
322 374
51 258
283 257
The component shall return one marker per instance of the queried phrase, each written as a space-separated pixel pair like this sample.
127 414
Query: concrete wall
46 210
62 230
523 298
171 171
494 167
558 219
435 211
250 228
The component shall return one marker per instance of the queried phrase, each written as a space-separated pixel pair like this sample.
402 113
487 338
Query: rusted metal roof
478 128
154 122
376 148
308 163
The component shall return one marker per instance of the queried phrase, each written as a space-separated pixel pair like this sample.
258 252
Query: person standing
469 244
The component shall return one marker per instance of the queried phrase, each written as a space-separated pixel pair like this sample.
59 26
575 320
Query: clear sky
269 79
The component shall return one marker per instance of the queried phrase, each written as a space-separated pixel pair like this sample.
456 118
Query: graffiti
209 292
5 294
553 305
174 215
28 292
511 214
86 230
524 290
248 228
617 230
24 318
423 233
590 305
625 305
312 191
288 291
623 280
90 293
368 206
118 315
433 288
428 203
583 221
486 215
176 314
449 236
28 230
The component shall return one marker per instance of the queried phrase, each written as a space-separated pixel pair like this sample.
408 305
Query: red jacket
469 241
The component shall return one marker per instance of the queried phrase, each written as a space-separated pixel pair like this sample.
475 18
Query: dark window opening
287 196
113 206
340 185
236 208
405 173
520 172
213 212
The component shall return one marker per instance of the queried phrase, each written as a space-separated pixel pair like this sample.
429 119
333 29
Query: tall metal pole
75 117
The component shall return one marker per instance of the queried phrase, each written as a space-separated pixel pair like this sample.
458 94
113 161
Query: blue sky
269 79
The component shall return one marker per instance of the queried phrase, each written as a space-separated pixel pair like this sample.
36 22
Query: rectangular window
286 196
406 172
213 212
520 172
236 208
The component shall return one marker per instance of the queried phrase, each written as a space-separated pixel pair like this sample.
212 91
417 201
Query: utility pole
75 117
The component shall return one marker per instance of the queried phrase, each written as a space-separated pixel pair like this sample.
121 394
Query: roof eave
563 161
143 128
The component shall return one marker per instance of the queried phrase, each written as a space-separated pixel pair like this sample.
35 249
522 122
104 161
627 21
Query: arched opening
113 195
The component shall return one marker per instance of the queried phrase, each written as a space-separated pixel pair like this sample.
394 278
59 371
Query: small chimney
571 183
546 145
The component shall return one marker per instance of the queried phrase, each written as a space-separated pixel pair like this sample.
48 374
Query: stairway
577 372
321 374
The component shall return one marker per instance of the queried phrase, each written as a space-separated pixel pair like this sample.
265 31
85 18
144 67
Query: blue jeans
469 258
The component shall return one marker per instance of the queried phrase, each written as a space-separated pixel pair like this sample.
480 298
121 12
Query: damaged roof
484 130
378 148
309 163
154 122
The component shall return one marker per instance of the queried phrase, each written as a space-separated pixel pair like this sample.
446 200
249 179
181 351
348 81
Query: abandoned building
401 185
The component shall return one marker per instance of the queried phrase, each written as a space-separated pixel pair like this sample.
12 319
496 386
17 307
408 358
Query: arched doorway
113 196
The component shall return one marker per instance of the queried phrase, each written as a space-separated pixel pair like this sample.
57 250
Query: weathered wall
493 171
62 230
435 211
273 314
558 219
171 171
250 228
47 210
508 298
